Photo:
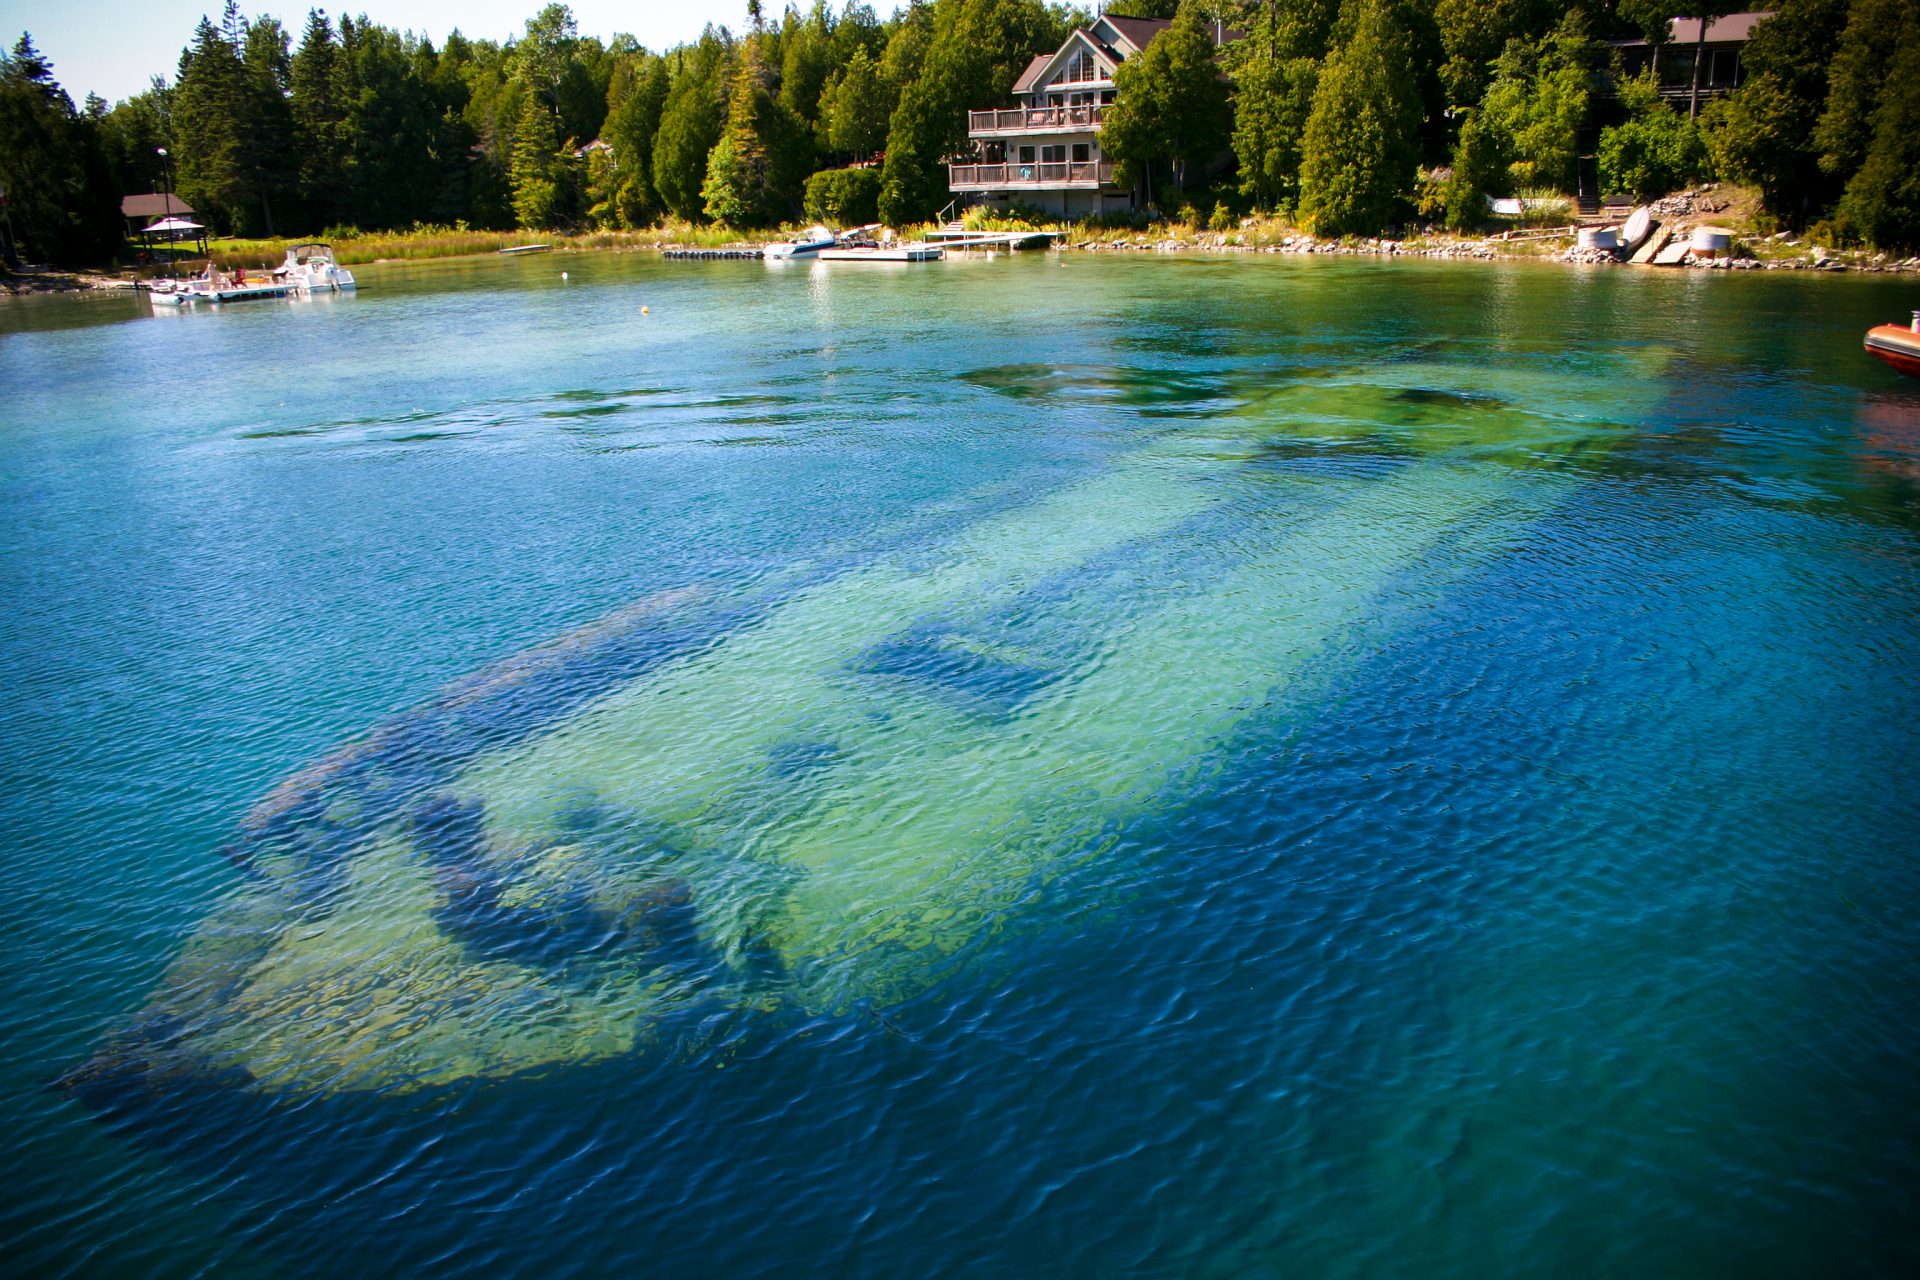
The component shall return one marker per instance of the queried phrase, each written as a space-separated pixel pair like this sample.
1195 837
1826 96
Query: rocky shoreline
1674 217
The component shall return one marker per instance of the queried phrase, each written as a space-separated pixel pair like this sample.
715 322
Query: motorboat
312 268
806 246
1897 345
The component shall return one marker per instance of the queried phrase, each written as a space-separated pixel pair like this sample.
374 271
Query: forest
1345 116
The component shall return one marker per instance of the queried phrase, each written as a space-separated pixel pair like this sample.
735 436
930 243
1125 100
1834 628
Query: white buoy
646 311
563 275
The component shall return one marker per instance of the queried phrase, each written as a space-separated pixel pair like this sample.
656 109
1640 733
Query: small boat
311 268
806 246
1896 345
526 248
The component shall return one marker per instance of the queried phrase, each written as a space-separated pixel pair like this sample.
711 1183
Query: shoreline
1789 255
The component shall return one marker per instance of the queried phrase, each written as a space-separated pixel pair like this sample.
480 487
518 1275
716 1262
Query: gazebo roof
154 205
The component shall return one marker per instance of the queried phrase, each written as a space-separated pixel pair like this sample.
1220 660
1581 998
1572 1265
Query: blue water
1269 768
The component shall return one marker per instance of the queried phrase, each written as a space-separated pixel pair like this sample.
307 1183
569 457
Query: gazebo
161 215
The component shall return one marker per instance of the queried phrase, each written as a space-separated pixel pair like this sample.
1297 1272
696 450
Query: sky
114 47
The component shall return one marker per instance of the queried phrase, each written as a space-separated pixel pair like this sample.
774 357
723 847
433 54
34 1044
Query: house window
1081 153
1106 97
1081 67
1056 154
1026 155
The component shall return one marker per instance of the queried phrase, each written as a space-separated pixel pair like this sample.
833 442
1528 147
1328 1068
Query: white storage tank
1711 242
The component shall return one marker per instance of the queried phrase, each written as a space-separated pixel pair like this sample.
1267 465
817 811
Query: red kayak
1898 345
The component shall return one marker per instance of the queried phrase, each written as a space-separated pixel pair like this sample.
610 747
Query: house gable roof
1032 73
1137 33
1038 70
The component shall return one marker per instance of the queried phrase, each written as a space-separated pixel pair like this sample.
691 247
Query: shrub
1222 219
1657 150
845 197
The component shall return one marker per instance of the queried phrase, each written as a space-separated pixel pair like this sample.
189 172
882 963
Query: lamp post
166 162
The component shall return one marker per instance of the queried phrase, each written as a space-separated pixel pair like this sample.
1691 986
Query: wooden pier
701 255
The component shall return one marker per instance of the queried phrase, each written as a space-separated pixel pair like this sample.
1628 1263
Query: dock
902 253
952 238
699 255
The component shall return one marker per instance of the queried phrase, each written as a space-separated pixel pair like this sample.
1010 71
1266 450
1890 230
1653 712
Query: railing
1087 173
1033 119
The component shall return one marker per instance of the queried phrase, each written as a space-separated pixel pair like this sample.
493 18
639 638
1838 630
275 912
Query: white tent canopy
175 224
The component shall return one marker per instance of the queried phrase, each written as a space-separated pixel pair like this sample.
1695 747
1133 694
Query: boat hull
1897 346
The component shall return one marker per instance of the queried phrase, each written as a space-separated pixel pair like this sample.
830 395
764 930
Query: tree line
1347 115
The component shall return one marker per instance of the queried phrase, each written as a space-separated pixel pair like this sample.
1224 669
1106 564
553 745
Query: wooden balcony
1024 120
1084 176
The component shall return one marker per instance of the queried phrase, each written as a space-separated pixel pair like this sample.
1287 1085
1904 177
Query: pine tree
209 108
690 125
856 116
1170 104
755 171
536 191
1882 201
1763 133
319 120
1359 152
53 167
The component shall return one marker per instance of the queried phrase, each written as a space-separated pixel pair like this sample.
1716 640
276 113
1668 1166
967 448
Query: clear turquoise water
1173 767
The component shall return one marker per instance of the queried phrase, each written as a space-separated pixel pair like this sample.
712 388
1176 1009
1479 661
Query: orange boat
1898 346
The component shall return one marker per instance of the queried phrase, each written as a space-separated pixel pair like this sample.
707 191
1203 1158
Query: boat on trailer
1896 345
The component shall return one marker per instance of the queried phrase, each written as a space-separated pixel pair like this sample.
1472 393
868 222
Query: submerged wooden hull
1897 346
832 794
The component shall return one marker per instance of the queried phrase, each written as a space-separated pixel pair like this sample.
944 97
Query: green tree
855 108
53 167
1539 98
209 108
755 171
1360 149
536 189
1474 32
1272 104
632 122
1861 66
1764 132
1655 150
319 123
1170 104
1482 167
1881 204
690 125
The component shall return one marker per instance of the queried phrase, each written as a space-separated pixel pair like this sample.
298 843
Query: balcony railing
1033 119
1086 173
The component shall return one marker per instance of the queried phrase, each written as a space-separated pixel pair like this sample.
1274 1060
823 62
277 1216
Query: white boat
816 239
311 268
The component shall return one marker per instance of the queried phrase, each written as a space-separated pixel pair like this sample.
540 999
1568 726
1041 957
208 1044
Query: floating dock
993 239
903 253
693 255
